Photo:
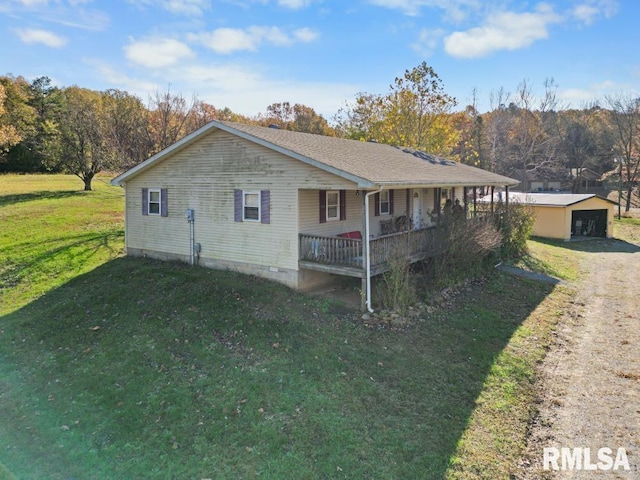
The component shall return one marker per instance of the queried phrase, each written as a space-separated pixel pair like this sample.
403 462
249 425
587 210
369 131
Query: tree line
523 134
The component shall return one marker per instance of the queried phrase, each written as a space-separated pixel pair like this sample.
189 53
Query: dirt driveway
591 377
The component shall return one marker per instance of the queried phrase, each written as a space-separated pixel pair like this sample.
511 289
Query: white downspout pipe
368 252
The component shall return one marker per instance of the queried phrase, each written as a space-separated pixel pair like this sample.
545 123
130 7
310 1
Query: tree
46 101
170 118
416 109
470 128
496 122
625 121
84 139
125 122
582 141
524 140
363 120
413 114
9 136
297 118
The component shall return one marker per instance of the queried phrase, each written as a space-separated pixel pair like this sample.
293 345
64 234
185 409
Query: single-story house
289 206
540 181
566 215
585 180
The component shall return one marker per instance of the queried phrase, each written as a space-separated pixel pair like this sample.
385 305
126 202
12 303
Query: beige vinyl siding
550 221
310 214
203 177
555 221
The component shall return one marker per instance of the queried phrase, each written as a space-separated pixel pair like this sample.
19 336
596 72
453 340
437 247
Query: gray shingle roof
366 163
377 163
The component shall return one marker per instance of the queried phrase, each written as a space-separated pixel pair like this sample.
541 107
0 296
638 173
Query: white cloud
249 89
157 52
295 4
229 40
305 35
190 8
455 10
45 37
428 41
33 3
502 31
589 11
246 89
70 13
117 79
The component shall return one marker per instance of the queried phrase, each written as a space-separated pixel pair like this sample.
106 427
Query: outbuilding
567 215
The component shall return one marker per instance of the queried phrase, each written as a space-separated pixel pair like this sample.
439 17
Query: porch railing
412 244
331 250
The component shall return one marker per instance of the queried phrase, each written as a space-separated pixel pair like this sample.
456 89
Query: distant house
293 207
541 181
566 215
585 180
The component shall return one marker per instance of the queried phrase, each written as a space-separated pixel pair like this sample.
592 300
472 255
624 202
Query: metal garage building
567 215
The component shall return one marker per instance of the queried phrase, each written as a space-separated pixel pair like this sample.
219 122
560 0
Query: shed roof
547 199
368 164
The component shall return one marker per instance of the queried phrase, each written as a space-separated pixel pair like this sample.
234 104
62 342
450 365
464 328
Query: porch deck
344 256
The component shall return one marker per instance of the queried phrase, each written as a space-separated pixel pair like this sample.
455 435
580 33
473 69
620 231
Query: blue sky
248 54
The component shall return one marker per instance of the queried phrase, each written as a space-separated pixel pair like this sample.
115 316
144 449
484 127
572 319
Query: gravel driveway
591 376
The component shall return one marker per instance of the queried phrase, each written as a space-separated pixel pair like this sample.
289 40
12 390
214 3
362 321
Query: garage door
589 223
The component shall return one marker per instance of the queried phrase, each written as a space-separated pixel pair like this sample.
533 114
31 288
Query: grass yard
114 367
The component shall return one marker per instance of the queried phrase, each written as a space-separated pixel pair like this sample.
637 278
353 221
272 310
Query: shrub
398 291
516 226
463 246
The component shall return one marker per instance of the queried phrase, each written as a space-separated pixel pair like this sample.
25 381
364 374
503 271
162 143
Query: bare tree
496 129
625 121
583 142
171 117
125 122
531 139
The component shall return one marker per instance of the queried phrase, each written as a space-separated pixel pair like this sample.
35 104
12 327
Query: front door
417 209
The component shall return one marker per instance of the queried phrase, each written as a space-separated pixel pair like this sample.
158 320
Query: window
154 201
384 203
333 205
251 206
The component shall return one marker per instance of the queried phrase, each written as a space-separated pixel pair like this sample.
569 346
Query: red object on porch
354 234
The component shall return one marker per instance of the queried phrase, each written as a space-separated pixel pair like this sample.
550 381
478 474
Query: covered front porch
357 233
346 256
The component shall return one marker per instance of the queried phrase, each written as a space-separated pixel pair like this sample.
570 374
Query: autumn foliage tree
85 146
297 118
9 136
414 113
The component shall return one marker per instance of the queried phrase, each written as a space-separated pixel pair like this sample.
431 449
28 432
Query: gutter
367 239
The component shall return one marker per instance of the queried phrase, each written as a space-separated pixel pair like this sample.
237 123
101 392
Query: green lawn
114 367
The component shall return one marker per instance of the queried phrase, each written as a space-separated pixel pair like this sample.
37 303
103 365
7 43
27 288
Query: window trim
336 206
258 194
151 191
382 202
